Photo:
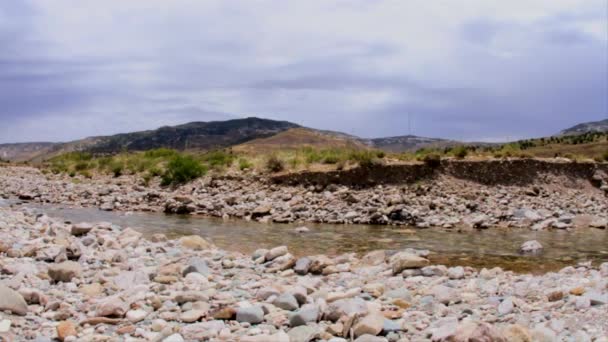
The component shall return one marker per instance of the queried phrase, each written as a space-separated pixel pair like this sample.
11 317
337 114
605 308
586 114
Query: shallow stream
478 248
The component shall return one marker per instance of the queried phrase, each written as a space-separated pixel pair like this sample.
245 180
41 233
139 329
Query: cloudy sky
463 69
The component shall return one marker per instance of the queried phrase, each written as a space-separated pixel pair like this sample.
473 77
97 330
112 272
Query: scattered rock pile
100 282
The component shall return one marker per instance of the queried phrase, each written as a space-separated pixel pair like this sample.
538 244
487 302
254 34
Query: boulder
82 228
250 314
286 301
65 271
275 253
371 324
531 247
308 313
405 260
12 301
195 242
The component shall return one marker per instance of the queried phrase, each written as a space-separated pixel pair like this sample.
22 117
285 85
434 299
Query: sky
473 70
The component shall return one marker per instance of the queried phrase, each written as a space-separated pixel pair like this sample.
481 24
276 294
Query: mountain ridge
586 127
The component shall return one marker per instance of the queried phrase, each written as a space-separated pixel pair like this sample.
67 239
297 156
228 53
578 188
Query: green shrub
460 152
86 174
160 153
275 164
219 159
155 172
182 169
432 160
81 166
116 167
245 164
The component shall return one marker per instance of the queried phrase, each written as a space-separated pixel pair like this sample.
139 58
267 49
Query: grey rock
251 314
82 228
302 266
286 301
306 314
303 333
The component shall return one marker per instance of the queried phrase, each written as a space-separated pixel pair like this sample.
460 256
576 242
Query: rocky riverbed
553 203
102 282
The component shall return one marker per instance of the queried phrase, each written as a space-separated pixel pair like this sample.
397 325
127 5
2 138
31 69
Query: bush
116 167
160 153
460 152
245 164
86 174
432 160
274 164
219 159
605 156
182 169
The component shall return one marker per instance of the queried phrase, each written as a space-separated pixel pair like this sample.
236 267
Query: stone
444 294
197 265
192 316
345 307
112 307
302 266
91 290
370 338
174 338
194 242
531 247
599 223
301 230
5 326
65 271
275 253
475 331
555 296
374 258
281 336
135 316
371 324
543 334
456 272
303 333
82 228
286 301
251 314
404 260
127 279
66 329
308 313
516 333
505 307
12 301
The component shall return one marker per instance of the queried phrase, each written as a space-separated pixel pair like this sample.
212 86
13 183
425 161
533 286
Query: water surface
478 248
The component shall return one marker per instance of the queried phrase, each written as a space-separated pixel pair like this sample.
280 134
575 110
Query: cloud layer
470 70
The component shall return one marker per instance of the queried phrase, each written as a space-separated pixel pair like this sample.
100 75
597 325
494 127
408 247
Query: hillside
190 136
587 127
296 138
24 151
406 143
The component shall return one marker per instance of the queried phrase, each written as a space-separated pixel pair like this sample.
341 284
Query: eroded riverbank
553 202
104 282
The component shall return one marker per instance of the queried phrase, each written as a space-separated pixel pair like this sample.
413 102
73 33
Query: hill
406 143
191 136
587 127
24 151
295 138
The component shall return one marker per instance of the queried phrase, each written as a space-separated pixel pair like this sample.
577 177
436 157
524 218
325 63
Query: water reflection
484 248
